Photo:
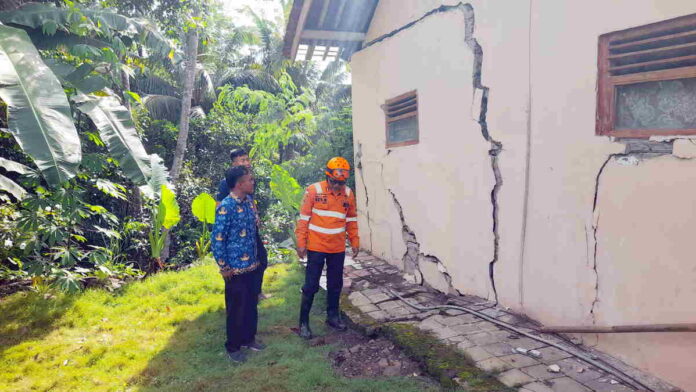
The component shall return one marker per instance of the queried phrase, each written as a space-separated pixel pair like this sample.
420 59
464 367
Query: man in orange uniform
328 212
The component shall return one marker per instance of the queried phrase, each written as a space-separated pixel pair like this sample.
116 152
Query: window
647 80
402 120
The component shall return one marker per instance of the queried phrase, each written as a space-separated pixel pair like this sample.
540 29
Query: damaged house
539 153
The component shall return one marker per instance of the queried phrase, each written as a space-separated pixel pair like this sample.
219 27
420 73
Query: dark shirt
223 190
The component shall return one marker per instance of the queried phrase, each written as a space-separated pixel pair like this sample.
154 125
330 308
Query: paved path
495 349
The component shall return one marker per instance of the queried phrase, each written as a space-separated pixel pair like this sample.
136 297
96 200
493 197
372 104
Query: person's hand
301 253
355 251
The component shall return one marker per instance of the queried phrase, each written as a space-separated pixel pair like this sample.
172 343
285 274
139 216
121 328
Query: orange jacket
325 217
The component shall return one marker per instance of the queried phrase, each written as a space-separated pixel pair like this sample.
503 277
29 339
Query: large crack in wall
414 260
636 150
359 167
413 257
496 147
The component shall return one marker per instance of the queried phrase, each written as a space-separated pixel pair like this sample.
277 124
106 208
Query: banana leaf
11 187
170 207
38 110
203 208
117 130
35 16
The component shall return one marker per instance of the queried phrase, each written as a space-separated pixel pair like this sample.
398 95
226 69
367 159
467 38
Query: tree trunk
189 74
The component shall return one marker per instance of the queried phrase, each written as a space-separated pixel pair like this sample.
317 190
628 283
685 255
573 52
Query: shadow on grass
29 316
195 359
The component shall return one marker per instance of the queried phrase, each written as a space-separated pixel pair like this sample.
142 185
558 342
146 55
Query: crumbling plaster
560 237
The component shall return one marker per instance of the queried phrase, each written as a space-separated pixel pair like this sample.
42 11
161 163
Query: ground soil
358 356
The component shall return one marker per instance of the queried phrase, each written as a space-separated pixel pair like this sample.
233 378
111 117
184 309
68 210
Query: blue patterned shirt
234 236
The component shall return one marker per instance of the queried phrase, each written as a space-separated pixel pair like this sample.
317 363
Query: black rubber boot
305 307
333 315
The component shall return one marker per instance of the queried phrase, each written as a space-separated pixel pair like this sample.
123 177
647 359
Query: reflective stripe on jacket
325 218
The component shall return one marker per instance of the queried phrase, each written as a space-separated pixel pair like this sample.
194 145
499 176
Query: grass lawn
166 333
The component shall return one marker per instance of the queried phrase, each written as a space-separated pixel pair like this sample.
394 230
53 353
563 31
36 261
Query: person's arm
219 235
352 224
301 229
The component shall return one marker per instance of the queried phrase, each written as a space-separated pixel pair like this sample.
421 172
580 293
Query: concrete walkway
518 361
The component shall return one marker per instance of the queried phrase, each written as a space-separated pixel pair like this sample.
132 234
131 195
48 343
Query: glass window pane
667 104
402 130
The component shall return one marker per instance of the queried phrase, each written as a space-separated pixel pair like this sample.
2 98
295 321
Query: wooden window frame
607 84
403 116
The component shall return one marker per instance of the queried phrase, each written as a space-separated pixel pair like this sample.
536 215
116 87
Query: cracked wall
547 209
462 212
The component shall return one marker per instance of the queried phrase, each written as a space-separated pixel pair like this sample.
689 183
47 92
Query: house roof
321 29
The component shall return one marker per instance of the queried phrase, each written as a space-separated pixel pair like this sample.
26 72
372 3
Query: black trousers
334 277
241 299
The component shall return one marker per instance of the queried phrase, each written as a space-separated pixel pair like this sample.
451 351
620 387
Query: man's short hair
236 153
233 175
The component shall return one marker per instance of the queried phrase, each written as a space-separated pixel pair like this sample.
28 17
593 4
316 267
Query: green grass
165 333
440 360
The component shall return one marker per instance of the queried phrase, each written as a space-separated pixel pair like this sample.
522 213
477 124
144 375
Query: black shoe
254 346
335 322
237 356
305 331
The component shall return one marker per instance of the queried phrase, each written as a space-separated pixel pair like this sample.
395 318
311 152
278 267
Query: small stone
383 362
554 368
520 350
580 370
613 382
354 349
535 353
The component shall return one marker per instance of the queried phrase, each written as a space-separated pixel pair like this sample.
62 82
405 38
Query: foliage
41 120
164 217
203 208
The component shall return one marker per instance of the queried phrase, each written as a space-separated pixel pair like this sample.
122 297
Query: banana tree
39 112
39 115
164 217
203 208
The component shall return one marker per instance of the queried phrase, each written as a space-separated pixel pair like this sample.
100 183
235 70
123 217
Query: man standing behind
239 157
234 248
328 212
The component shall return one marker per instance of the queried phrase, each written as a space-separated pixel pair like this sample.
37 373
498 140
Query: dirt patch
362 357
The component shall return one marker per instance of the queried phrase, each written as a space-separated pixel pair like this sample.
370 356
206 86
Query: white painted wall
539 62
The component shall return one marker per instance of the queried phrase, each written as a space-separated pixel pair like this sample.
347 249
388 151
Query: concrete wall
561 259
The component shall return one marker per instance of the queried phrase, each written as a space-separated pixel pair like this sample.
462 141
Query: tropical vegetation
116 121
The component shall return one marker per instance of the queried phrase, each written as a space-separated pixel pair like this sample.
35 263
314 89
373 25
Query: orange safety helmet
338 169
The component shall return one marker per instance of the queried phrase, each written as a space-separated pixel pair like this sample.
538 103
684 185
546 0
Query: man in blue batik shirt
239 157
234 247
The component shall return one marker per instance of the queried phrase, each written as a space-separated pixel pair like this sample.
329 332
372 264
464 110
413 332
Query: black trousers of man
241 300
334 282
